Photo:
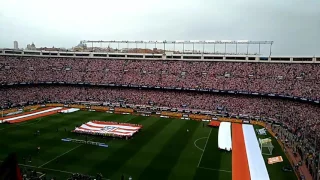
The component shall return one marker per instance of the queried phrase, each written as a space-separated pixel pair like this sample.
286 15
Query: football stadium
139 115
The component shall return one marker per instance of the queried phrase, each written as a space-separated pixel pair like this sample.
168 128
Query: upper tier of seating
294 79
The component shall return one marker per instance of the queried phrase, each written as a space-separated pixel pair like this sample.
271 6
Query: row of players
301 80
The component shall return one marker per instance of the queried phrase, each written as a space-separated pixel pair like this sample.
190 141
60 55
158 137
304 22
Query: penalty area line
68 151
62 154
59 156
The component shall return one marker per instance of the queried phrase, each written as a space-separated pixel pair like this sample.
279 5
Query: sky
293 25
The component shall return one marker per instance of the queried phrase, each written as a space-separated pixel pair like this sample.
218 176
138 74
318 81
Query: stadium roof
182 41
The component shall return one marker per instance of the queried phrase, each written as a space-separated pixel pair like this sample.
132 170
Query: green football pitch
162 150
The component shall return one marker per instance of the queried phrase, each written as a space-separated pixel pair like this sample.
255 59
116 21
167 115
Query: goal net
266 146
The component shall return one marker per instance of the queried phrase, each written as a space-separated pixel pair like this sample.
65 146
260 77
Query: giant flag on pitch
110 128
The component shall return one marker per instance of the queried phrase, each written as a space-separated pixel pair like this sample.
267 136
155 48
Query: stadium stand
291 79
264 89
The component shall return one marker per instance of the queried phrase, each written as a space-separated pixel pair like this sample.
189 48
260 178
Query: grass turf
162 150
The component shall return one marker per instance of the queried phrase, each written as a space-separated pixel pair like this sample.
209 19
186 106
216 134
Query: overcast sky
293 25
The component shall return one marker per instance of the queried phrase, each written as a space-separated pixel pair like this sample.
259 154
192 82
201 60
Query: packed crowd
291 79
302 80
301 117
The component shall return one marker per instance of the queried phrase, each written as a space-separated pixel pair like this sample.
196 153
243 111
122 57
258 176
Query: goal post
266 146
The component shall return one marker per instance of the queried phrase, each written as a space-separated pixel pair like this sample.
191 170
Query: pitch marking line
67 172
215 169
55 170
41 167
195 143
26 165
204 148
68 151
62 154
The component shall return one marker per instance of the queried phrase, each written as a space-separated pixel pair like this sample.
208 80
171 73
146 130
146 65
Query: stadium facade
183 57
